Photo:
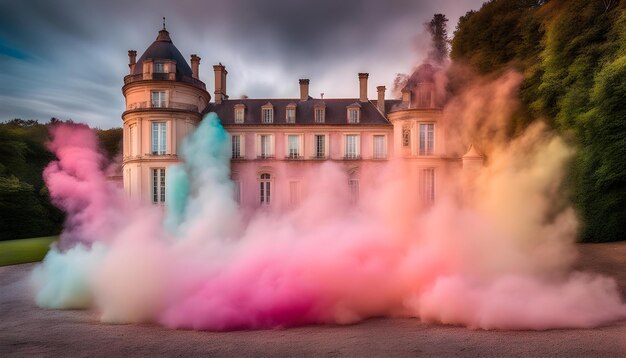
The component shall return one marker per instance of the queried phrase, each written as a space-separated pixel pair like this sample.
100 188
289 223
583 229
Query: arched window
265 189
236 187
353 186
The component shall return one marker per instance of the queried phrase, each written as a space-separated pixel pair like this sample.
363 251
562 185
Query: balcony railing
164 77
314 157
156 154
150 155
162 105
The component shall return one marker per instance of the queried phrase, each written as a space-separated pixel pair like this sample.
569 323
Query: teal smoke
206 157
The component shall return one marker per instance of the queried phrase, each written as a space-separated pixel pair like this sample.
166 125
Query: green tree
437 27
25 209
110 141
571 53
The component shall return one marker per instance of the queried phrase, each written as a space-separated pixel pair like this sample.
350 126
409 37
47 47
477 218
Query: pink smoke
501 259
78 186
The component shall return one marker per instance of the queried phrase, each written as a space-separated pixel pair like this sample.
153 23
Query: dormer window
240 110
159 67
290 114
425 95
320 113
267 113
354 113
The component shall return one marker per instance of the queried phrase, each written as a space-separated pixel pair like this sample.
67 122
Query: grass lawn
24 250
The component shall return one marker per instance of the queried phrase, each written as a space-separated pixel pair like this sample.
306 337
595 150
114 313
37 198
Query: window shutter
286 144
242 146
385 146
271 151
326 146
167 128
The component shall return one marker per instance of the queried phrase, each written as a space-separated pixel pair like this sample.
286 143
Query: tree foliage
437 27
25 208
573 57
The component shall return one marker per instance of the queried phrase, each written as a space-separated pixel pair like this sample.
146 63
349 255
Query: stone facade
276 142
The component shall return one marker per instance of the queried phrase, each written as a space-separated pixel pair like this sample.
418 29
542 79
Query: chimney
195 66
220 83
304 89
132 56
406 95
381 99
363 86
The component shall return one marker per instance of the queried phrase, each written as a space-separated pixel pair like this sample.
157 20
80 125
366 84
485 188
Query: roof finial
163 22
322 95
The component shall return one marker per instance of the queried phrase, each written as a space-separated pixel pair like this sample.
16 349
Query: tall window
266 149
291 115
159 67
239 113
427 139
294 193
267 115
352 146
406 136
293 146
236 146
158 138
131 140
320 114
158 99
158 186
128 182
237 191
353 186
353 115
380 149
265 186
427 185
320 146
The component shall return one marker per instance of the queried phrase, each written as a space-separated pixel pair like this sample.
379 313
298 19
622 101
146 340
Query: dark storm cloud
67 58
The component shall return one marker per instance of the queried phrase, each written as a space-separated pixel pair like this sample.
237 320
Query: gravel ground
28 330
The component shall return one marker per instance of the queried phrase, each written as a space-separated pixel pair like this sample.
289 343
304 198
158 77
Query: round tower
415 118
164 102
418 135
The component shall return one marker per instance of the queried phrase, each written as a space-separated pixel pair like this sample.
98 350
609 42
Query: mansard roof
335 111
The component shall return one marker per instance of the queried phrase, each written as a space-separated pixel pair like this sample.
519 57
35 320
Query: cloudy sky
67 59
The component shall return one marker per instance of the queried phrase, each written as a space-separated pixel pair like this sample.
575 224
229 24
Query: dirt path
26 329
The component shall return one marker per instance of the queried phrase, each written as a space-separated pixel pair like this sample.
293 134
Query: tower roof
424 73
472 153
163 49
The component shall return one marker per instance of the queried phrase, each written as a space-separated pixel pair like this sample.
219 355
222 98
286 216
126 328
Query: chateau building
275 142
